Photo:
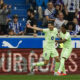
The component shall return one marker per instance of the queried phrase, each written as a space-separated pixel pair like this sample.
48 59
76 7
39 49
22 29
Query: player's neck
64 32
52 30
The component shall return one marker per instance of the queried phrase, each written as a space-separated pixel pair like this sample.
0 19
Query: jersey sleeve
56 31
60 35
46 13
67 36
45 30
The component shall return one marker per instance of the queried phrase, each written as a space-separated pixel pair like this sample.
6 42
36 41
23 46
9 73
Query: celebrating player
66 39
48 45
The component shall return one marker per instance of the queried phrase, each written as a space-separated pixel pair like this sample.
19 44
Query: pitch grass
39 77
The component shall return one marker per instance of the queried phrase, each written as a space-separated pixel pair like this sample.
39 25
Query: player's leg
57 60
57 63
64 71
46 56
64 55
45 62
62 62
67 56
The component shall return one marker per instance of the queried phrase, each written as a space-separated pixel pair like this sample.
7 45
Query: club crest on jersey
52 38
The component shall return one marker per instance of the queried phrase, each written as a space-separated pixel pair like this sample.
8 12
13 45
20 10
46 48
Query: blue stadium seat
46 1
15 1
39 23
20 12
39 2
19 6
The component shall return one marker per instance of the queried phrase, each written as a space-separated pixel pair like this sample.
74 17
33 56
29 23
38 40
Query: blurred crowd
58 11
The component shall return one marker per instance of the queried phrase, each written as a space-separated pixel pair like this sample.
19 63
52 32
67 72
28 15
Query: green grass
39 77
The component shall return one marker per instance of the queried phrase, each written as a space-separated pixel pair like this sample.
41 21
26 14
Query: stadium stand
20 8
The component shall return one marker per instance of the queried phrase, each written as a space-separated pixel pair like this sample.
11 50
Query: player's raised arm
34 28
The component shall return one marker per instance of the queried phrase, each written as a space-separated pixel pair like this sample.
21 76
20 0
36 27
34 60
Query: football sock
57 64
61 65
64 70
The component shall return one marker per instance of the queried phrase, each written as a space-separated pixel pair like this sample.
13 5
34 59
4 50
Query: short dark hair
72 24
32 12
51 22
64 26
50 2
15 16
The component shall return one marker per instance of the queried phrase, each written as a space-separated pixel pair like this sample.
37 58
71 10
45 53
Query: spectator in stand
28 13
4 11
50 14
65 12
61 8
1 4
16 26
59 21
33 22
72 6
74 27
77 27
57 10
71 28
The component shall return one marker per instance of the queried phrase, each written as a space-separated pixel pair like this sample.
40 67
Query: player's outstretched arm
34 28
61 41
